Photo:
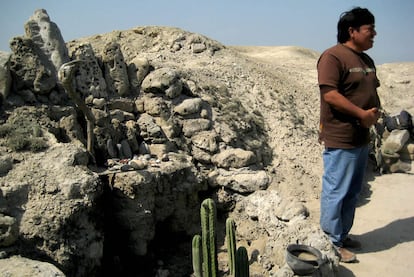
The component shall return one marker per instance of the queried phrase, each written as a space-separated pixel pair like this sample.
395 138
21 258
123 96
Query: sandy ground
384 221
384 224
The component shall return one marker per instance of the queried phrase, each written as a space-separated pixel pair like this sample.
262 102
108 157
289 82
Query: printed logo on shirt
363 70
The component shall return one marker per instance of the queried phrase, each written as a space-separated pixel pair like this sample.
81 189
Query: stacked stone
137 111
397 151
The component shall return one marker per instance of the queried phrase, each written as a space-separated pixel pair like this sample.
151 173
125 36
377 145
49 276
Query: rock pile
394 145
170 126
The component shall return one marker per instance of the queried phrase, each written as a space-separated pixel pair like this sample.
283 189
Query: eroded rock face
90 80
116 71
164 130
46 34
38 73
55 202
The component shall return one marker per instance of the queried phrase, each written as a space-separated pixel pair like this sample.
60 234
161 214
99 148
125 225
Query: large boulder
189 106
90 80
234 157
38 73
241 180
17 266
55 201
163 80
137 70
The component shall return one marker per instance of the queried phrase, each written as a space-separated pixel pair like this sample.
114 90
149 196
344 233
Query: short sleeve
329 71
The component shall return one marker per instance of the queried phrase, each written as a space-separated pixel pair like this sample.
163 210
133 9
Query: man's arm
367 118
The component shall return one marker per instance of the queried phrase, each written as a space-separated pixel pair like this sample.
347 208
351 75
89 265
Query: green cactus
242 262
204 247
197 256
231 244
208 236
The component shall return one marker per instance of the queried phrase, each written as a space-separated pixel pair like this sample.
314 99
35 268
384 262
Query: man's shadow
392 234
371 173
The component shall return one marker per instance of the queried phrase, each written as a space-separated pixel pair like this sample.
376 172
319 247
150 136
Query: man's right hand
369 117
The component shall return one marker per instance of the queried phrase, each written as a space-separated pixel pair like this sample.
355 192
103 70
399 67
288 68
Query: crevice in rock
168 250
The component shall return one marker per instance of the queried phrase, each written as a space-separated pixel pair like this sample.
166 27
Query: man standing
349 107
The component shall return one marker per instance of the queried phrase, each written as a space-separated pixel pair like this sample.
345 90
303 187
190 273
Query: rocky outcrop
116 70
46 34
90 80
38 73
5 76
174 122
53 203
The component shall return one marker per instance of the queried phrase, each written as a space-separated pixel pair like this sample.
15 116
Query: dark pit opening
167 252
171 251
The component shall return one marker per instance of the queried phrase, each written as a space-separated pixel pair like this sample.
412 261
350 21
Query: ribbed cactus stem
208 236
231 245
197 256
242 262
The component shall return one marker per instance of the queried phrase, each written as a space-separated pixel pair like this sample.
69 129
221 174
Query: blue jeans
344 171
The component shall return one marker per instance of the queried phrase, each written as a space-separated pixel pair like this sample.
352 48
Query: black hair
354 18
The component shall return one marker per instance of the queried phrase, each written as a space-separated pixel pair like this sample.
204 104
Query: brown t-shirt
353 75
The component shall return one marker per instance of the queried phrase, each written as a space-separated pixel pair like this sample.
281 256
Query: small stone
8 230
126 149
138 164
99 102
6 164
112 150
126 167
111 162
143 148
165 158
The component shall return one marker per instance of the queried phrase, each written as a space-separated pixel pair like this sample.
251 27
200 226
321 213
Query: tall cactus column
231 245
197 256
204 247
208 215
242 262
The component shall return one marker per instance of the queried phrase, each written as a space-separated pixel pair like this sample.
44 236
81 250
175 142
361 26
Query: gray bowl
303 259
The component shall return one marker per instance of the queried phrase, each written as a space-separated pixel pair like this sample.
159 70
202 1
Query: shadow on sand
381 239
345 272
396 232
370 175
